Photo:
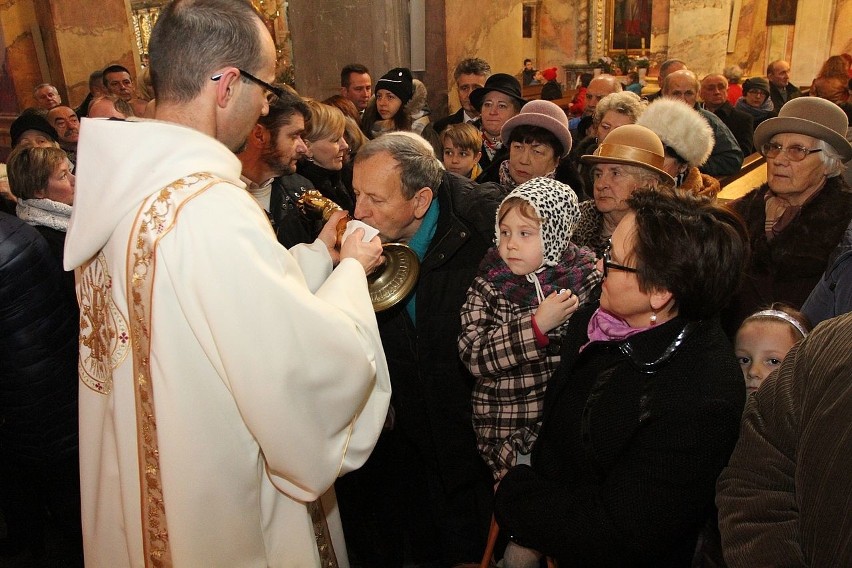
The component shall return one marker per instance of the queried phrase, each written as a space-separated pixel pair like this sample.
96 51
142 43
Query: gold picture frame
628 26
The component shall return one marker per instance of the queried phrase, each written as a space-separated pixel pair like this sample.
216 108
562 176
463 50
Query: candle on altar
643 46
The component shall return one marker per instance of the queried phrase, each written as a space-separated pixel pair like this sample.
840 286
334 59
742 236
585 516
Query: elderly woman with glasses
630 158
797 218
644 409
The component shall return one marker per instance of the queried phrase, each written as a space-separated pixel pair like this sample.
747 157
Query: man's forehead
117 76
598 88
360 78
714 80
61 112
376 170
467 78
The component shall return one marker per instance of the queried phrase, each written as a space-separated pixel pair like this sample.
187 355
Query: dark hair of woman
528 134
688 245
401 120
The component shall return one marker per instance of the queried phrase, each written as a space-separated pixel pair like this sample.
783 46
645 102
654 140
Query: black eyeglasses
270 91
794 153
609 264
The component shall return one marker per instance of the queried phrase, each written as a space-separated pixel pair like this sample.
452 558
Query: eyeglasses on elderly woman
608 264
794 153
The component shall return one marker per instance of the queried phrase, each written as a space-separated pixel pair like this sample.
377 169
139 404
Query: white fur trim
681 128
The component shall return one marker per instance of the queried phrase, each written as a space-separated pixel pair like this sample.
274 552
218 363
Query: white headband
778 314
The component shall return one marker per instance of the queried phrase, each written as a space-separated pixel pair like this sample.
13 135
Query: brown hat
544 114
632 145
811 116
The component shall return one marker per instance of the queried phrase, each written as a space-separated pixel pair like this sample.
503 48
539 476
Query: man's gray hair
472 66
416 162
37 87
194 38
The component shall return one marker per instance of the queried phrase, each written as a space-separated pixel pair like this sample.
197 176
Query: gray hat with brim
811 116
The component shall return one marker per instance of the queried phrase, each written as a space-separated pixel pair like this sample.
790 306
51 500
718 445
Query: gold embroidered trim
156 217
104 337
325 547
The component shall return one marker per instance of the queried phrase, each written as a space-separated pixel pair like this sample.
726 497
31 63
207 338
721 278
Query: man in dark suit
780 89
470 74
714 93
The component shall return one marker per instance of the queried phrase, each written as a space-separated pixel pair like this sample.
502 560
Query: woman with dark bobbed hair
538 140
644 409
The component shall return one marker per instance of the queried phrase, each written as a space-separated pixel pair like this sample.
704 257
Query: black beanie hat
399 82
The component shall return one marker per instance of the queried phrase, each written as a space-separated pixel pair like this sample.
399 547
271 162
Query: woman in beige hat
631 157
796 219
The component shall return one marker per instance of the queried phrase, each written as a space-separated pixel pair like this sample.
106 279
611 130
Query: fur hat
544 114
31 121
502 83
399 82
811 116
632 145
549 74
555 203
681 128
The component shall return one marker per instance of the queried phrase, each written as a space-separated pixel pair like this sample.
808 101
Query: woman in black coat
327 154
644 410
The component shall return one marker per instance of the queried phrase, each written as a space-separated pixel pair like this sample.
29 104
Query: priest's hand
369 253
329 234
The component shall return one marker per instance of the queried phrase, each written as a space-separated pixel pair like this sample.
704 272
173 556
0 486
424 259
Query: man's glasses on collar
272 92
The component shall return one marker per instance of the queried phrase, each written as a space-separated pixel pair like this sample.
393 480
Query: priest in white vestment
225 382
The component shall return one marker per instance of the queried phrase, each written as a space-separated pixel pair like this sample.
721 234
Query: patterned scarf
779 213
522 292
44 212
490 147
506 179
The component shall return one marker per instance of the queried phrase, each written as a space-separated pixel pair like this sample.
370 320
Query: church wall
490 29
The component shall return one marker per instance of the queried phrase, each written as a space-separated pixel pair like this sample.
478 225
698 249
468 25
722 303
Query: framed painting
629 26
781 12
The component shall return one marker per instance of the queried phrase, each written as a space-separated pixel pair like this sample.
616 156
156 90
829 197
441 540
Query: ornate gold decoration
104 338
392 281
156 217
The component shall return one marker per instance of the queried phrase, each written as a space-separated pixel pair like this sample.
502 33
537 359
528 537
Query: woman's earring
654 318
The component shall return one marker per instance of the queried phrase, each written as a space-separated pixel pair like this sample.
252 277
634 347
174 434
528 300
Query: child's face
459 160
760 348
520 243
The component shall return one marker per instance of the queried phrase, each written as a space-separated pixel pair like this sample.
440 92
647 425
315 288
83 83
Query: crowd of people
195 374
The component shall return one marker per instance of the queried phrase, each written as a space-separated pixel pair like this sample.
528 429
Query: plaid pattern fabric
497 344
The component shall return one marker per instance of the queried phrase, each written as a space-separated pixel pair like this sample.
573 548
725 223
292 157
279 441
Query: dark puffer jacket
38 354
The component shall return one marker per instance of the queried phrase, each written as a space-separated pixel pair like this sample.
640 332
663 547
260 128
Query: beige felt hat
811 116
632 145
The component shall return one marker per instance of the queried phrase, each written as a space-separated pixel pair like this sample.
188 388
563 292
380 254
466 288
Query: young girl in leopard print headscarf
528 286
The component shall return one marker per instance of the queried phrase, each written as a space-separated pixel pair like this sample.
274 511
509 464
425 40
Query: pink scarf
605 326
